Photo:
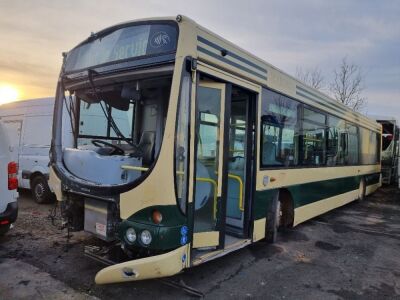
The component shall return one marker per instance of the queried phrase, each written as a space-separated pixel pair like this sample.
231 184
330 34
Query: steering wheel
117 150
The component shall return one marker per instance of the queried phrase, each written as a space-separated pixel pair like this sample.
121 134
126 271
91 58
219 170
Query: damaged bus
390 148
184 148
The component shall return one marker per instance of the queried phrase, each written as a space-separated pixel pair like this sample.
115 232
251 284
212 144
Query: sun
8 94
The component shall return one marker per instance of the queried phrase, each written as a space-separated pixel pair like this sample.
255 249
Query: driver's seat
146 145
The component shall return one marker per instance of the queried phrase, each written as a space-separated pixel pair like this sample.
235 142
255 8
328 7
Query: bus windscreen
121 44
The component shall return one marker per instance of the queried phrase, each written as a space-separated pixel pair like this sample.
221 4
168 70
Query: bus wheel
40 190
274 218
362 190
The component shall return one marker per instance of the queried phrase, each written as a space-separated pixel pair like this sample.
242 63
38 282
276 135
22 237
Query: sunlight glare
8 94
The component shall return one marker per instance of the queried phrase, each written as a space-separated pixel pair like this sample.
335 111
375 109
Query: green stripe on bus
307 193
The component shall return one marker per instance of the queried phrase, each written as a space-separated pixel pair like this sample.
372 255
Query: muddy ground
350 253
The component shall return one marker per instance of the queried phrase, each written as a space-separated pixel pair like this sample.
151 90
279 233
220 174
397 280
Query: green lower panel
171 233
304 194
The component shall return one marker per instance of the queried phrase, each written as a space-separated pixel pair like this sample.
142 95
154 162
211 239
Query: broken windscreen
123 43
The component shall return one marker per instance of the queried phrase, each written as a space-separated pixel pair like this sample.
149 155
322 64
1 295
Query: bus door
239 160
209 182
223 163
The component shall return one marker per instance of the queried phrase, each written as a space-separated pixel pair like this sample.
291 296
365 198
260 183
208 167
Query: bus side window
280 130
343 150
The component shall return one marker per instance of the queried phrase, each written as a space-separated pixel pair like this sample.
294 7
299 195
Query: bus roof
214 49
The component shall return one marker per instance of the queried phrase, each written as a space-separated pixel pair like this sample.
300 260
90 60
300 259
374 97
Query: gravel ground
350 253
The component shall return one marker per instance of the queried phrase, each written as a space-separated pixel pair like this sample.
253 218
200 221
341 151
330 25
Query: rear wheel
40 190
274 220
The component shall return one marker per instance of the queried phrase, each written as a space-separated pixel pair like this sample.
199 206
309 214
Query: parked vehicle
8 184
28 125
390 148
186 148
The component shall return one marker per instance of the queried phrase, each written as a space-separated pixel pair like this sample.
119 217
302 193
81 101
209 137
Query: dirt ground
350 253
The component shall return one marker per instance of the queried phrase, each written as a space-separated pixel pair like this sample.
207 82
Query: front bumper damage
157 266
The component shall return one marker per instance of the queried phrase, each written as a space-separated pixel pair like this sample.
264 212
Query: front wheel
40 190
274 218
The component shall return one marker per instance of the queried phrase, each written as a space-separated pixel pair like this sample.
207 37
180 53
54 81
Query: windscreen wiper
108 115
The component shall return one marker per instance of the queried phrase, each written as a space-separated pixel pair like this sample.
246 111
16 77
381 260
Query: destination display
128 42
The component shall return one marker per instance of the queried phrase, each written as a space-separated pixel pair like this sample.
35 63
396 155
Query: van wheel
362 190
274 218
40 190
4 229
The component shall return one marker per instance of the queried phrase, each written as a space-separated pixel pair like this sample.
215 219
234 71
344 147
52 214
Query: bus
196 148
390 148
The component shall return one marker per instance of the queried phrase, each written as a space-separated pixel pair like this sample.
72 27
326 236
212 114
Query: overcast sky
287 34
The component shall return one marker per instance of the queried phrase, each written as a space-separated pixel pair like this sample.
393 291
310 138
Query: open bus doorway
224 167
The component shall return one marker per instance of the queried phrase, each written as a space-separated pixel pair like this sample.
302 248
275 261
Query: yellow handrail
204 179
236 177
134 168
215 187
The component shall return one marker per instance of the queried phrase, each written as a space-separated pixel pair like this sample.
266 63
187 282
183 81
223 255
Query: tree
312 77
347 86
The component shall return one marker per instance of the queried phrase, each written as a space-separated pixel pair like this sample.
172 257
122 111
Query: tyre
274 217
40 190
4 229
362 190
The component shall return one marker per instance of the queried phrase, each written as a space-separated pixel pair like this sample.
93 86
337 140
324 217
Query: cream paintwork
202 67
205 239
314 209
158 188
160 177
288 177
259 229
317 208
163 265
55 184
372 188
276 79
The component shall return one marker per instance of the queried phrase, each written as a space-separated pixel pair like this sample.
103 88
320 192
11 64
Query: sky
287 34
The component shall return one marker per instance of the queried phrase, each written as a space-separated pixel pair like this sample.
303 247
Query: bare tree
347 86
312 77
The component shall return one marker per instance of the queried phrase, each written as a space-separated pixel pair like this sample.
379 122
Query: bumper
163 265
11 213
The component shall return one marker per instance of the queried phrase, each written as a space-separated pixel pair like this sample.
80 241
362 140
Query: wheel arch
287 205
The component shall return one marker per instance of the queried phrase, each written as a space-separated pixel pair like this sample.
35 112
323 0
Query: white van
29 125
8 184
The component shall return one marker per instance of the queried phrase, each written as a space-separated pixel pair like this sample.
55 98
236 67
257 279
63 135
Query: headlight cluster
130 235
145 236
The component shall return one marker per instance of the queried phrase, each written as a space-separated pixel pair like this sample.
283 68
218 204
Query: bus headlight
130 235
145 237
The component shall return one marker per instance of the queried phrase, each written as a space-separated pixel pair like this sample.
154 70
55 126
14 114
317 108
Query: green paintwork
262 202
165 236
304 194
